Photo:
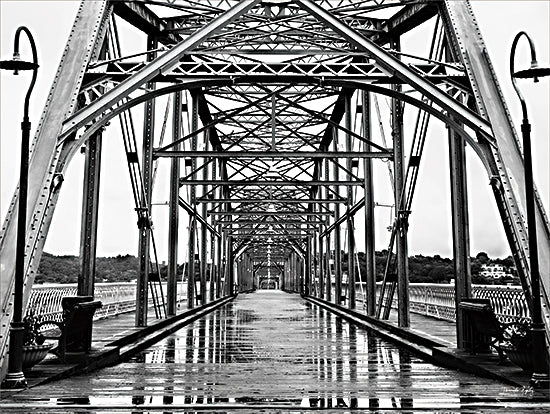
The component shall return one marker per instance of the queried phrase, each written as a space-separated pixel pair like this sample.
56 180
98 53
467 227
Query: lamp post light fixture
15 377
539 378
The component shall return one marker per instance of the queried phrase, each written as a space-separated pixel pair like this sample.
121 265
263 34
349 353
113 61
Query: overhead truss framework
272 108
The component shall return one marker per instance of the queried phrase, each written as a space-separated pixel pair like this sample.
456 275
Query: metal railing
430 299
438 300
117 298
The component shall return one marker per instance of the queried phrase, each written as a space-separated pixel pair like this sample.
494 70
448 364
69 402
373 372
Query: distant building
495 271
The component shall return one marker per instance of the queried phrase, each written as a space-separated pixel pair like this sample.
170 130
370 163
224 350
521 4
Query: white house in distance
495 271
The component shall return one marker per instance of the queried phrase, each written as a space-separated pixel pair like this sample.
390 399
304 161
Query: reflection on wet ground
273 352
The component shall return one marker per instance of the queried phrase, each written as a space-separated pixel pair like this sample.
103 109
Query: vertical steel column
213 253
230 278
306 288
328 271
316 276
350 221
295 273
223 270
461 234
192 201
219 257
173 214
204 231
250 272
369 212
283 277
337 231
402 216
328 283
144 223
322 265
90 203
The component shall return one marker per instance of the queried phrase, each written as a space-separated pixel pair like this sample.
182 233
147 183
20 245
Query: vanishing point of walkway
273 352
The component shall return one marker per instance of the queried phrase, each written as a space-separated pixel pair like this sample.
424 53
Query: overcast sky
50 21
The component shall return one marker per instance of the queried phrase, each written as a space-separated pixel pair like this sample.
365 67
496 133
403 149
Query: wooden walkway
272 352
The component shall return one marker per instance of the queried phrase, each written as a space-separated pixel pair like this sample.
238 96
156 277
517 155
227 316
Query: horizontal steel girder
263 183
266 222
279 72
271 154
268 200
269 213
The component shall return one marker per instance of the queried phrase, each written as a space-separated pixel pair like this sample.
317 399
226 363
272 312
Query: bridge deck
272 351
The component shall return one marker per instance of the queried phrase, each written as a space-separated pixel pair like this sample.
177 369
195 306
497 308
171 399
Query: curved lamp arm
533 64
34 58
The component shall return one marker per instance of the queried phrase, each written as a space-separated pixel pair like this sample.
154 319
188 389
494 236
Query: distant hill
65 269
422 269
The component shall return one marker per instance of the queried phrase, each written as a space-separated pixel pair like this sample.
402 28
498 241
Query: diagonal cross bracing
164 62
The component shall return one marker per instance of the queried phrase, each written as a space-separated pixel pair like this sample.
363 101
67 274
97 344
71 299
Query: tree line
124 268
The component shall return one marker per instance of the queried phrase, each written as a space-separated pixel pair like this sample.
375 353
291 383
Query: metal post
337 232
461 235
144 222
328 270
369 213
213 273
90 203
219 256
322 266
351 241
402 216
540 378
230 278
173 215
328 284
204 231
15 377
307 269
192 201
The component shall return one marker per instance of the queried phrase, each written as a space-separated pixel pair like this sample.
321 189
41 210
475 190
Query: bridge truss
271 106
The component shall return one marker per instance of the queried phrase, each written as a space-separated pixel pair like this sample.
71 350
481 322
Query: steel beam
268 200
163 63
350 221
173 215
144 223
461 233
192 212
402 216
264 183
273 154
204 233
370 245
142 18
337 230
89 224
271 213
192 217
390 63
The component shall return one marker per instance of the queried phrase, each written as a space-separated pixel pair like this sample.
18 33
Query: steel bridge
265 110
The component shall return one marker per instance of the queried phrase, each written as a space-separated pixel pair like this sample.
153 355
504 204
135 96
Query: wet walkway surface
274 352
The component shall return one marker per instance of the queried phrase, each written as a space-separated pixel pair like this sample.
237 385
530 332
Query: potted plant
518 344
34 348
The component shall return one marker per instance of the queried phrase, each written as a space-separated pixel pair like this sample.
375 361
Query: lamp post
539 378
15 377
